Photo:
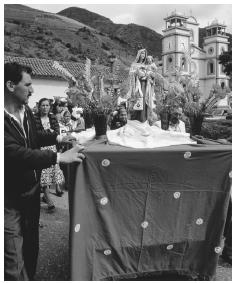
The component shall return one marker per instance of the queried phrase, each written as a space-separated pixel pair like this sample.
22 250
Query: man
175 124
22 164
120 119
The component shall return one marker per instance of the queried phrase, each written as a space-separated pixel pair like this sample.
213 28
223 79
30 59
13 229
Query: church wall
207 87
194 38
202 71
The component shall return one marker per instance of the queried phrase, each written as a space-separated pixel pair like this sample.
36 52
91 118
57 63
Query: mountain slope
134 36
33 33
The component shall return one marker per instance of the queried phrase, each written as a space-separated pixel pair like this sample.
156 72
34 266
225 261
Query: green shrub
7 32
73 58
104 46
39 37
7 49
58 39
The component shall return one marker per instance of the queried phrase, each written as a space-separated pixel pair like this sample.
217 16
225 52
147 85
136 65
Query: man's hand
68 139
72 155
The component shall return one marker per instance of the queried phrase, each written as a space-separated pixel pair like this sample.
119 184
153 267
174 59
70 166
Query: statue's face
142 55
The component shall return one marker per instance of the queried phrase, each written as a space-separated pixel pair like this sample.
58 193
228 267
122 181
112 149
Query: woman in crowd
68 124
46 121
57 110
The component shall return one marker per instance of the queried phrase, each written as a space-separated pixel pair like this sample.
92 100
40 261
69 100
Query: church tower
215 43
176 44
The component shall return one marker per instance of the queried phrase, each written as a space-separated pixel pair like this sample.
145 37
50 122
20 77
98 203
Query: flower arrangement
183 91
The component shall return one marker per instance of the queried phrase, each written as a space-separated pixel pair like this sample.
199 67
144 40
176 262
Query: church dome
192 19
215 22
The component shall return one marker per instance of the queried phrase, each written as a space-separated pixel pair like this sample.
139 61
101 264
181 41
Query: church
181 51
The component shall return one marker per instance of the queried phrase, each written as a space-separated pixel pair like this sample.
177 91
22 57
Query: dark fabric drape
134 212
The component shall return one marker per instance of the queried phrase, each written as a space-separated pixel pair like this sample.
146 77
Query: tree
226 60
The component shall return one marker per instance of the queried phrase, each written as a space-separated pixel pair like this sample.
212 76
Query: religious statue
151 70
141 90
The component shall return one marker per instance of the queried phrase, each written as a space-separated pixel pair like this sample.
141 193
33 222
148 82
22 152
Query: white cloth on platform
141 135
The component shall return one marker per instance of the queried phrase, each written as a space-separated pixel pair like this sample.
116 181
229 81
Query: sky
151 15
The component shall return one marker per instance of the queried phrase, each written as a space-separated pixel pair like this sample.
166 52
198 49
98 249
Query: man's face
67 117
23 90
123 115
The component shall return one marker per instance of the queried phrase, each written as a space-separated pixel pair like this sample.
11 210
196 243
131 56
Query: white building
180 49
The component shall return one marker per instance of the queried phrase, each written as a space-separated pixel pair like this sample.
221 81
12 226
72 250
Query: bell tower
176 44
215 43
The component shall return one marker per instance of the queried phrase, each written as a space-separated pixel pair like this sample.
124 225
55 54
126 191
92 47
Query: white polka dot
104 201
230 174
107 252
177 195
199 221
105 162
77 228
187 154
169 247
144 224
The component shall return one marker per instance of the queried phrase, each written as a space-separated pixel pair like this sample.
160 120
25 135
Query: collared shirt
21 121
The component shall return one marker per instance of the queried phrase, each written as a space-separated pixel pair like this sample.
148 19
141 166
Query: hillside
33 33
131 35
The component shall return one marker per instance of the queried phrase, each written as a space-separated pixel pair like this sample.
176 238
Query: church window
222 69
209 32
169 62
210 68
183 63
211 50
214 30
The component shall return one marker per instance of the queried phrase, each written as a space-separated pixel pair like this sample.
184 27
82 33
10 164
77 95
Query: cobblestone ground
53 262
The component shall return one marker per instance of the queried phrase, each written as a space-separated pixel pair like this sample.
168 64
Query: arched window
210 68
222 68
169 62
183 63
222 49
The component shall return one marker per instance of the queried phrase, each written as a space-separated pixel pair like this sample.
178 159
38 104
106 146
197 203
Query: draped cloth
141 135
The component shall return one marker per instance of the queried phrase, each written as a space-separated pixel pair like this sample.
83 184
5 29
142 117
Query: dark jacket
23 159
53 123
116 123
